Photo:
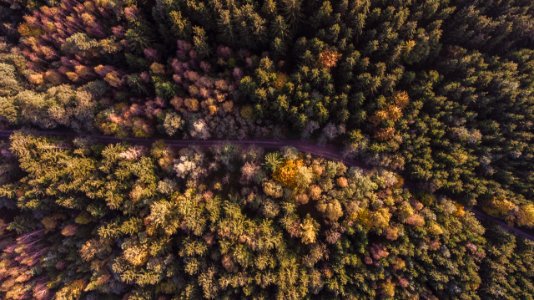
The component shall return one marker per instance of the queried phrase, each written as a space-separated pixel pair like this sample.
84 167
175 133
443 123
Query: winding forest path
325 151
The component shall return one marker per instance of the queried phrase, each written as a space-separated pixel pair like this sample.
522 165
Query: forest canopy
434 100
229 222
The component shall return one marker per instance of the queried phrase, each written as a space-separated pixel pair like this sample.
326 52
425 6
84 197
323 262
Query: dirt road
326 151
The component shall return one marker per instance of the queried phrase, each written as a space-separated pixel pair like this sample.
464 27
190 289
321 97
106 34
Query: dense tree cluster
229 222
506 268
438 90
435 97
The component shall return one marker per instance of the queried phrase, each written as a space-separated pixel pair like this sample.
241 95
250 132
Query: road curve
326 151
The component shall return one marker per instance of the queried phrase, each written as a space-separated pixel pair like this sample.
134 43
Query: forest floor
325 151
